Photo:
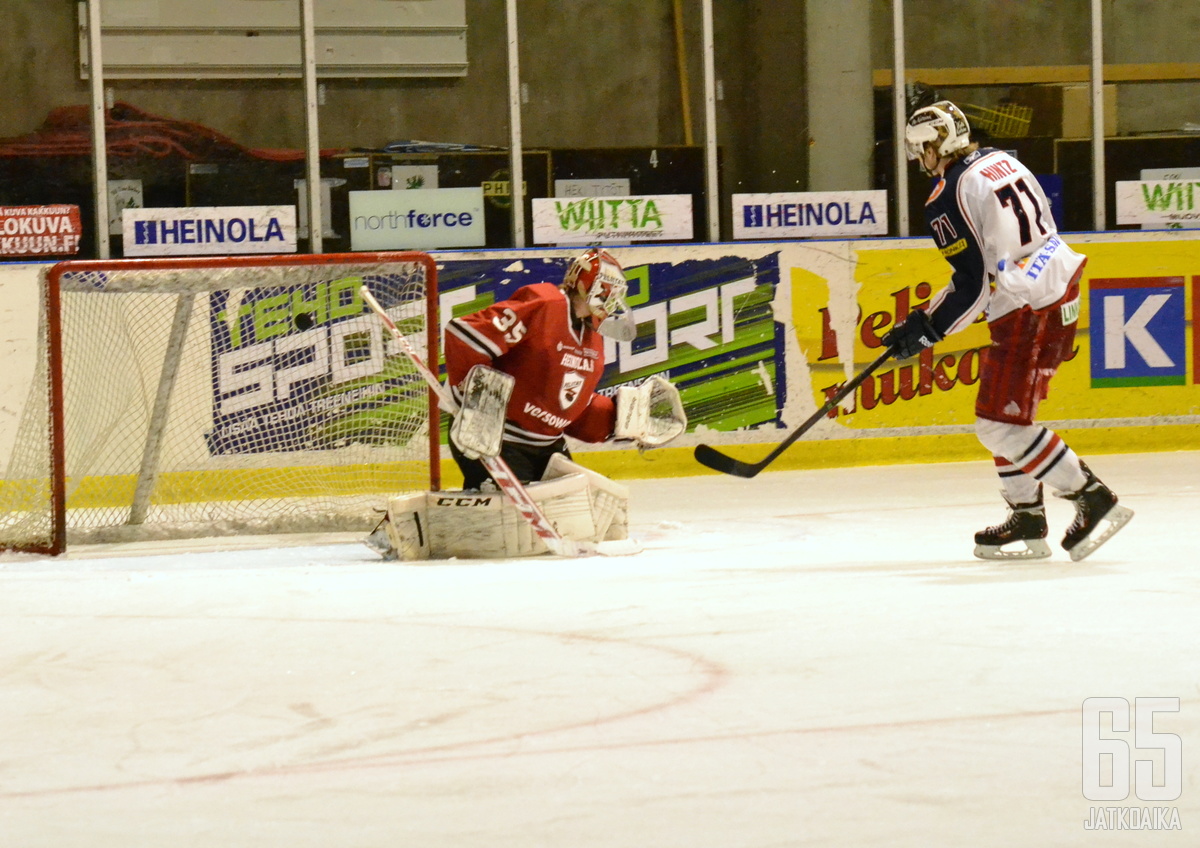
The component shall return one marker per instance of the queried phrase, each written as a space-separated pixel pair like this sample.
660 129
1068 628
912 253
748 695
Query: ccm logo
465 501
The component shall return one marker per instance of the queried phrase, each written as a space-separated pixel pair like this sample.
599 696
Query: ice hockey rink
804 658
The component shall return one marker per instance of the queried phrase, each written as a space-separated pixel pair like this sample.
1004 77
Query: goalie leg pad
407 526
609 499
472 525
582 505
478 428
567 504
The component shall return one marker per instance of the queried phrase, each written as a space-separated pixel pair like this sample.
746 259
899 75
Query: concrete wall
605 73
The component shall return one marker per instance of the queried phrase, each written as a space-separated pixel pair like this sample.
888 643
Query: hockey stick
718 461
508 482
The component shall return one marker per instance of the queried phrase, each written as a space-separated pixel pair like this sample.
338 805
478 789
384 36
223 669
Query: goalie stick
508 482
718 461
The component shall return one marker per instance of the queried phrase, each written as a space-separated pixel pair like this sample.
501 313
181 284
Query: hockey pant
1028 346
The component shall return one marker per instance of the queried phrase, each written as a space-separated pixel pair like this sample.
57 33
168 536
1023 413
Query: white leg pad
408 526
582 505
473 525
609 499
567 504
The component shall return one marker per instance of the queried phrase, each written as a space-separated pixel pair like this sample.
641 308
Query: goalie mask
596 276
943 125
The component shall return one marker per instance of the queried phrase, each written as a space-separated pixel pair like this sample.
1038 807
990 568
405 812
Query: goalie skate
1022 536
1098 517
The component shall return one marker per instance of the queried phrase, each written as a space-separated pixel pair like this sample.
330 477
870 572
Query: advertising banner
1136 325
1159 203
209 230
815 214
417 220
40 230
606 220
706 324
306 368
757 337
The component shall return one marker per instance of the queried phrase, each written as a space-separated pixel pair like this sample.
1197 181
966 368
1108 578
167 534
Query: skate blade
1113 520
1034 549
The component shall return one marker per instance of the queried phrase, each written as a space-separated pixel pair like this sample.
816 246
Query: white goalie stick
498 468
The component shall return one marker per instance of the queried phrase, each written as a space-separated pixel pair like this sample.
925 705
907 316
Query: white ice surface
805 658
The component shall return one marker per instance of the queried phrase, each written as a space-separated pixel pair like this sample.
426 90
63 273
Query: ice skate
1022 536
1098 517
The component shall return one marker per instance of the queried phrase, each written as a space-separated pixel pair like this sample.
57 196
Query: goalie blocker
582 505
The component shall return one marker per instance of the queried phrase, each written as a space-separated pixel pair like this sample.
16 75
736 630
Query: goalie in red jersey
524 372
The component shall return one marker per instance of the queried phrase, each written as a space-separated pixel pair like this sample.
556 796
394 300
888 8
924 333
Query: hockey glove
912 335
478 427
650 414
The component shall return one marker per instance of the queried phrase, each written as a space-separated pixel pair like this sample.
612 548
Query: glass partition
206 106
1019 71
45 136
1153 63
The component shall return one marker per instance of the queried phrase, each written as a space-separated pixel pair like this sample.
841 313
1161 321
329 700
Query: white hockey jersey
992 222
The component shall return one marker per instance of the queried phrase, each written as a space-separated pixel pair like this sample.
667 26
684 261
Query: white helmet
596 276
942 124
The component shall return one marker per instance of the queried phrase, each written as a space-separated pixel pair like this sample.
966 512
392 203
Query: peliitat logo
1155 774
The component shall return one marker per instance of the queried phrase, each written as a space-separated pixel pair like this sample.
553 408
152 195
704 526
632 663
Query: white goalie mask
597 276
943 124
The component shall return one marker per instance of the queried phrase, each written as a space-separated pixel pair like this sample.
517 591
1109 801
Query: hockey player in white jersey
990 218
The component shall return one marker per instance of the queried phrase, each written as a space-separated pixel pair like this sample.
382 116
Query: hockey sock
1033 452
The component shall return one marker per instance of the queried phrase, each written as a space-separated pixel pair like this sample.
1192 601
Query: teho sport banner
307 368
708 325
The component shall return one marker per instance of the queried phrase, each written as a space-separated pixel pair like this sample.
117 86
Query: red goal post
210 396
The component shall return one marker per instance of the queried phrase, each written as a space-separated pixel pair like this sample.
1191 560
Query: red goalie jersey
557 362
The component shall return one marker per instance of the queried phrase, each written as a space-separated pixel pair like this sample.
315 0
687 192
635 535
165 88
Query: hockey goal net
220 396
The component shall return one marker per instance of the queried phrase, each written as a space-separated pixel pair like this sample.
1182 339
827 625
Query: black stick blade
718 461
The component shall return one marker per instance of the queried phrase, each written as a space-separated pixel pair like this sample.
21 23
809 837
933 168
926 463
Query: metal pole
712 187
685 94
900 115
312 155
99 136
1099 196
516 164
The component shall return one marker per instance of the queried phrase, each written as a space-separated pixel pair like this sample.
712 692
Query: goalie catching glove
650 414
478 427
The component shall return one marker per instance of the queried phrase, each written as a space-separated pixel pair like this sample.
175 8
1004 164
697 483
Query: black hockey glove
912 335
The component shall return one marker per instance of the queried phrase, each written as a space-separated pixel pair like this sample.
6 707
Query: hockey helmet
596 276
942 124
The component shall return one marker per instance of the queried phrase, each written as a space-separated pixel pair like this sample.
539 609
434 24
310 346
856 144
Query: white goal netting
212 397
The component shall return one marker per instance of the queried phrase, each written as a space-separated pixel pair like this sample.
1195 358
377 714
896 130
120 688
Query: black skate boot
1022 536
1098 517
